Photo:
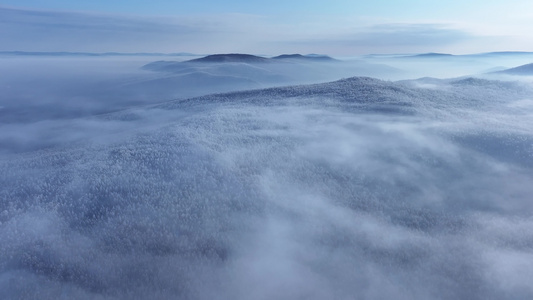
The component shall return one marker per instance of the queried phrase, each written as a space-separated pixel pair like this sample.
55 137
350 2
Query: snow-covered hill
357 188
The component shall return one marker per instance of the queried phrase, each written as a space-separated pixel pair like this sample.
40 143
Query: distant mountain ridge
232 57
249 58
432 55
524 70
508 53
310 57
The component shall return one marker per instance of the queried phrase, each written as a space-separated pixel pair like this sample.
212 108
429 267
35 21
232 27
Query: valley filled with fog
264 177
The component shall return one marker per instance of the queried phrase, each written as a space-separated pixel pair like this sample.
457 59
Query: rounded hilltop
249 58
232 57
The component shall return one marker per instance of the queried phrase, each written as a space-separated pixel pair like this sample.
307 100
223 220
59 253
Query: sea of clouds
355 189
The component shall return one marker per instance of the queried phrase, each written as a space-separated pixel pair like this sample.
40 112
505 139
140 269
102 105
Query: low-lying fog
38 88
354 189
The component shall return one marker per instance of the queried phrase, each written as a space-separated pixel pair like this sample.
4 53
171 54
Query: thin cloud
409 34
393 38
33 30
66 31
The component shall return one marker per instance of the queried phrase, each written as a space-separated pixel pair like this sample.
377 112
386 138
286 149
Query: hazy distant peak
233 57
520 70
304 57
248 58
288 56
507 53
432 54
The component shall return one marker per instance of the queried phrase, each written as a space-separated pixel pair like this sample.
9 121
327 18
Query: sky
338 27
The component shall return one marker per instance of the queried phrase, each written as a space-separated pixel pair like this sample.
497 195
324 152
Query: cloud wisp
92 32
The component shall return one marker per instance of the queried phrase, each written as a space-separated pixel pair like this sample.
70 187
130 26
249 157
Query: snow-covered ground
354 189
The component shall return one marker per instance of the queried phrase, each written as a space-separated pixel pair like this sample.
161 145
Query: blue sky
381 8
338 27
